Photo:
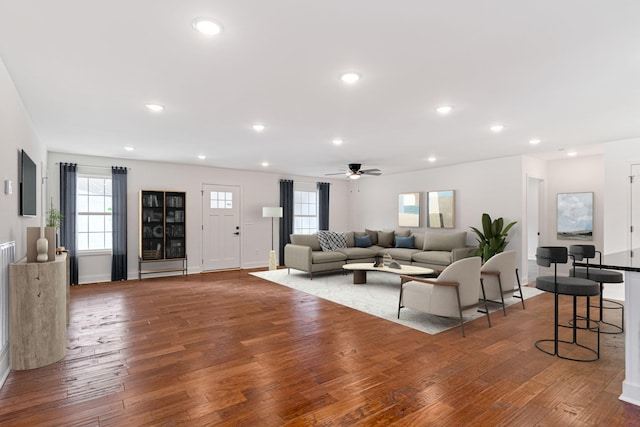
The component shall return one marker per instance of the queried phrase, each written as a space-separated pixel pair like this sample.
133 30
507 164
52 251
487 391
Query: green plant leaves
494 238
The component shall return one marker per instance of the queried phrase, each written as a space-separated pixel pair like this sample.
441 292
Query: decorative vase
272 260
42 247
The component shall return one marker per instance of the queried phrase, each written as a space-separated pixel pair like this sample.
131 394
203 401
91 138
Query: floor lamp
272 212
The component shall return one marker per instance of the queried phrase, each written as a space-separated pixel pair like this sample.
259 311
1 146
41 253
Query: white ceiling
567 72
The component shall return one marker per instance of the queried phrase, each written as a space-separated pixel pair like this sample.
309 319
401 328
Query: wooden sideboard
38 313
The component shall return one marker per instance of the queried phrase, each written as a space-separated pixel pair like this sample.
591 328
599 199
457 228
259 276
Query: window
221 200
305 212
94 213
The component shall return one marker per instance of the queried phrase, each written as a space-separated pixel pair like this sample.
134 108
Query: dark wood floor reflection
231 349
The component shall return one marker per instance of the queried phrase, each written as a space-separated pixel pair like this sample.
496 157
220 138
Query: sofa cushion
385 238
404 242
310 240
374 236
350 239
332 240
448 241
358 253
402 233
320 257
432 257
379 250
402 254
362 241
418 240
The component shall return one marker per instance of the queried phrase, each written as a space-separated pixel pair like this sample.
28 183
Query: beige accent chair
452 294
500 277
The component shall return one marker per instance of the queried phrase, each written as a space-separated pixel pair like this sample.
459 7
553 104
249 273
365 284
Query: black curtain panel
119 224
286 222
68 237
323 206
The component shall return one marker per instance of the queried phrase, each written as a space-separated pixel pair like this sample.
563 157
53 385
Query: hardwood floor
232 349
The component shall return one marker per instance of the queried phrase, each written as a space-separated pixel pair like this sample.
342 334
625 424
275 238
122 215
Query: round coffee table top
409 270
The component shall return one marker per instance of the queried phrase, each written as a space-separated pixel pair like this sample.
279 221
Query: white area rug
379 296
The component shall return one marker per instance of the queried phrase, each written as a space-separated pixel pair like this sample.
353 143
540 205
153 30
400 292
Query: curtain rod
92 166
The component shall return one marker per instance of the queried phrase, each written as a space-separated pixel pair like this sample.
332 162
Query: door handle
237 233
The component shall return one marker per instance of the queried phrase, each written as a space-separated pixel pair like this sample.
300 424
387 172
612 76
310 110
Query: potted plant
493 238
55 220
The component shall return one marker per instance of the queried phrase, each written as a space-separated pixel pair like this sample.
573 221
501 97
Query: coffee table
360 271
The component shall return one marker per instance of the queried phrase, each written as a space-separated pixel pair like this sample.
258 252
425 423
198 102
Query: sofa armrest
298 257
460 253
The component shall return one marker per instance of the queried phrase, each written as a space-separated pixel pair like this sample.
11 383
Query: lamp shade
272 212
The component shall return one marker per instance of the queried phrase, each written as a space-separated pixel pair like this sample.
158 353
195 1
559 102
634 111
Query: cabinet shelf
162 230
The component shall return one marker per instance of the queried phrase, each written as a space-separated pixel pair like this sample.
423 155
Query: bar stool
564 285
602 276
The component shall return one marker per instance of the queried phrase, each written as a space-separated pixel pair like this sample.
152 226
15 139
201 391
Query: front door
220 227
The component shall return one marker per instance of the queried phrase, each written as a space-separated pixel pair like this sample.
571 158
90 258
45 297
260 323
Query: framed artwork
441 209
575 216
409 210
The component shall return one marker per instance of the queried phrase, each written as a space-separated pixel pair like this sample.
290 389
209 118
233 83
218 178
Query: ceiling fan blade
371 172
337 173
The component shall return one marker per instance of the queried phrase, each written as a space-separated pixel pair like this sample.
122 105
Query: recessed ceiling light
156 108
350 77
497 128
207 26
202 157
571 153
337 141
534 141
444 109
258 127
265 164
129 148
431 159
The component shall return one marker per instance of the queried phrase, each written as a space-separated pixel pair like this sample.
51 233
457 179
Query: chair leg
555 330
460 311
484 298
520 289
504 309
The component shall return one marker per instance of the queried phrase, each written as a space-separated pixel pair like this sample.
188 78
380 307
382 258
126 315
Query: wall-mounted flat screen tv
28 187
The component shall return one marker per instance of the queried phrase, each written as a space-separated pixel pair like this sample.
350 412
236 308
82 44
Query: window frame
308 189
88 214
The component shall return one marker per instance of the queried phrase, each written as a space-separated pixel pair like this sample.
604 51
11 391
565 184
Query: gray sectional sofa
431 249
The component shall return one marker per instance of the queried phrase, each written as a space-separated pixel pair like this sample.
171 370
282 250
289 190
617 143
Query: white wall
618 158
16 133
491 186
257 189
573 175
535 219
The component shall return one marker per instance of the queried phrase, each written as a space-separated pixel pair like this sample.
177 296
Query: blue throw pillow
362 241
404 242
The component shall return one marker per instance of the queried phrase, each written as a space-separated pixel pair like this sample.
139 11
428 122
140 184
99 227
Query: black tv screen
28 188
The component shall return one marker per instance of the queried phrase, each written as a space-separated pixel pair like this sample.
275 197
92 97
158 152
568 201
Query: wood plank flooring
232 349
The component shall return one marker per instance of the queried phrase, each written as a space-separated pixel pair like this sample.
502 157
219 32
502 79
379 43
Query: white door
534 210
635 207
220 227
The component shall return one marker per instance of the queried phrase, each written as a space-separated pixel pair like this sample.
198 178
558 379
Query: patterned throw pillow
323 238
331 240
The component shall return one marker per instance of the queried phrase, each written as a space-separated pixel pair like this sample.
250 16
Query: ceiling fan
354 171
